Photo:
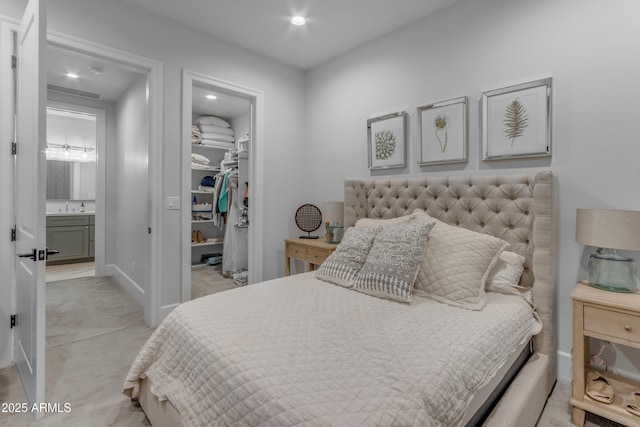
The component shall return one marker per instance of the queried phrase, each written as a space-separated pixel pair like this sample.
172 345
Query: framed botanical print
517 121
442 132
387 141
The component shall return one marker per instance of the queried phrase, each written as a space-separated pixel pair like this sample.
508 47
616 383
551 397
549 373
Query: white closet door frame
256 173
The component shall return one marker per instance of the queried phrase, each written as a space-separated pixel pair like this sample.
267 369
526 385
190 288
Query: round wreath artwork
385 144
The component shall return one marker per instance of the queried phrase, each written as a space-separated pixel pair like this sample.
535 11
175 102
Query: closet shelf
201 192
212 147
196 245
201 221
206 168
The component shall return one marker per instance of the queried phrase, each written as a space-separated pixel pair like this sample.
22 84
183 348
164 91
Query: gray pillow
393 261
349 257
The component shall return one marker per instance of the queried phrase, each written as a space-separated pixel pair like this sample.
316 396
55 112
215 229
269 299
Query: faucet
66 207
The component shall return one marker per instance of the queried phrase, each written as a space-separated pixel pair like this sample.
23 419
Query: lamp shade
333 212
608 228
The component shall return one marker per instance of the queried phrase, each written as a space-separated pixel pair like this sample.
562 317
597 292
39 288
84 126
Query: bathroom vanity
73 234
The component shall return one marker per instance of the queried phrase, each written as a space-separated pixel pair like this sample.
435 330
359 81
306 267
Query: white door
29 194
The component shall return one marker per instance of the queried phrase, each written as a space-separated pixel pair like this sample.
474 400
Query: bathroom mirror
71 155
71 180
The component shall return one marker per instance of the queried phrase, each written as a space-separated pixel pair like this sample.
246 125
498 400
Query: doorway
210 104
74 134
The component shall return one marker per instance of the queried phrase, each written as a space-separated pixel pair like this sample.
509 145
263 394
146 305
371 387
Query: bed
302 351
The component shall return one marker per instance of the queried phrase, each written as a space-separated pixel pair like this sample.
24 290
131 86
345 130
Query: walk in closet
220 141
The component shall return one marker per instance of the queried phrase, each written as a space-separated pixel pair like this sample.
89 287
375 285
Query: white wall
122 26
127 201
588 47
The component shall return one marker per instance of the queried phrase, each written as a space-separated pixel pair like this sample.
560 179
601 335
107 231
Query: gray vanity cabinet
72 236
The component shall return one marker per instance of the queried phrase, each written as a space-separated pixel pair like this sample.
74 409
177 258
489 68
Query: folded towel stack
196 135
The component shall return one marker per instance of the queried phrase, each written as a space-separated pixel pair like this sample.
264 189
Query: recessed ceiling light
72 75
211 97
298 20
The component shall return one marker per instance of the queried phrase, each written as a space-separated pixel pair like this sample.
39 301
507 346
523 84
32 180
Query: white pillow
456 264
218 137
507 271
216 129
199 159
212 120
392 263
349 257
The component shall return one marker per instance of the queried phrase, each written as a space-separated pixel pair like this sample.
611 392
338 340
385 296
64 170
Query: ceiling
262 26
109 85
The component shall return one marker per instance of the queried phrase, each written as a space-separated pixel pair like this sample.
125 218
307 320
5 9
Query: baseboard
165 310
565 367
126 282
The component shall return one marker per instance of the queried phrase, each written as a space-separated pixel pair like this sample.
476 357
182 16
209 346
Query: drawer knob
627 328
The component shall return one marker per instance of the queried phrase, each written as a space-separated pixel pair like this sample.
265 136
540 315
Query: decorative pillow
393 261
370 222
349 257
506 272
456 264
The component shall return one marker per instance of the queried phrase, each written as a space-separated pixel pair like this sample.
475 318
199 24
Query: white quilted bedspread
299 351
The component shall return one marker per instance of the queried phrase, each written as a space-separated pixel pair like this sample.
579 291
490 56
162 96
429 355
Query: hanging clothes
235 254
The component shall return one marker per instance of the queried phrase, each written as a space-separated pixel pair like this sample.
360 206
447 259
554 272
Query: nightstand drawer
316 256
296 251
612 323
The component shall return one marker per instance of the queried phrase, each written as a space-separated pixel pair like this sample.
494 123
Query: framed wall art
387 141
517 121
442 132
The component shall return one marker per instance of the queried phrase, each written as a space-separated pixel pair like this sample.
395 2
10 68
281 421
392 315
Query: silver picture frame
443 130
387 141
516 121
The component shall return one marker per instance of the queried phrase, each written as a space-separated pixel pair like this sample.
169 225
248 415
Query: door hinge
13 321
13 234
14 148
14 62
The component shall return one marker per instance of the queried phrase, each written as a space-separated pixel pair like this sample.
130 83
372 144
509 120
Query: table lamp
609 230
333 213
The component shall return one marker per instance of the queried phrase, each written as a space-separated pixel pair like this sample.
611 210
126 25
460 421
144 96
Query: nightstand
609 316
313 251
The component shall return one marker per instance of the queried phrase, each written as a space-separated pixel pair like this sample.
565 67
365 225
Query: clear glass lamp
610 230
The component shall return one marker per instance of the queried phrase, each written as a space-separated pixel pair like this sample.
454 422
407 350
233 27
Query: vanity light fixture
298 20
70 153
211 97
72 75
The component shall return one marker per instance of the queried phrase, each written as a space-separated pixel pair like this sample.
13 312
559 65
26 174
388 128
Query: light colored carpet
55 273
94 331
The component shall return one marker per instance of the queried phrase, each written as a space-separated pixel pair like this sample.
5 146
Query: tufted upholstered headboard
519 209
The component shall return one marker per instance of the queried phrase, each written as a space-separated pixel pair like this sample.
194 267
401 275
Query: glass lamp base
612 272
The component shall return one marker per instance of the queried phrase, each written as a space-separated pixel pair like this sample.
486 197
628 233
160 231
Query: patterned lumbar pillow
349 257
393 261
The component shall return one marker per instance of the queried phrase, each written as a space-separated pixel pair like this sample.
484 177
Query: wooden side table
313 251
608 316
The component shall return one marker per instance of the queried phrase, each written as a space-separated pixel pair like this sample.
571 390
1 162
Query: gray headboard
519 209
